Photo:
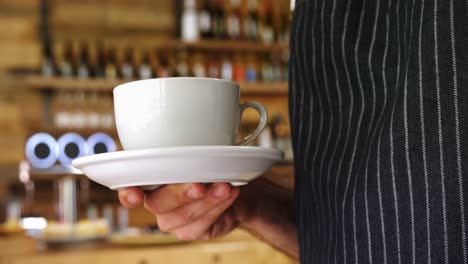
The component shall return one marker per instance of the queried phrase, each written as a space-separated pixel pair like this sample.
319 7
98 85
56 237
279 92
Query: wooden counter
237 247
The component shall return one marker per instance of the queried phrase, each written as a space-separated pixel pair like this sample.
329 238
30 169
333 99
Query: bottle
226 68
214 68
283 61
251 69
172 65
190 31
266 28
198 66
91 212
126 69
92 61
204 20
101 61
182 68
285 70
66 69
218 21
163 65
239 69
233 20
284 26
122 218
251 20
108 215
83 71
111 68
267 70
76 53
277 69
214 19
221 21
48 67
144 71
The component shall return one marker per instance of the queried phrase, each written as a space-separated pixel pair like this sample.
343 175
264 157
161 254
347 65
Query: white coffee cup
181 111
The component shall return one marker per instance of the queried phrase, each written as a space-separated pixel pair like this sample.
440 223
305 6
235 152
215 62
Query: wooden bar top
237 247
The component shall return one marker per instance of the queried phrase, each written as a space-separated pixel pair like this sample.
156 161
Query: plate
152 168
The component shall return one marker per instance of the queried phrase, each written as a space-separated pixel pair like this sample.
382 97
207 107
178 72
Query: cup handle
261 124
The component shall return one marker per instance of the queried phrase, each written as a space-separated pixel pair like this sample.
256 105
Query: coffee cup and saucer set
180 130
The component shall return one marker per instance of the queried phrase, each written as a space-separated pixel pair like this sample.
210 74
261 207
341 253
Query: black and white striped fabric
379 115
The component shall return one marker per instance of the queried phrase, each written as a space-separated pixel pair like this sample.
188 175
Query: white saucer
152 168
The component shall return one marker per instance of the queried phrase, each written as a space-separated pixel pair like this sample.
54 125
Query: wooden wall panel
112 17
18 28
19 6
19 43
21 54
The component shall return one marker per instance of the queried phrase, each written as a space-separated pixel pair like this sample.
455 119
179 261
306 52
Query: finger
131 197
172 196
185 214
199 227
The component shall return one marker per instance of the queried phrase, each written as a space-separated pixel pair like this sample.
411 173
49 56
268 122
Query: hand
194 211
191 211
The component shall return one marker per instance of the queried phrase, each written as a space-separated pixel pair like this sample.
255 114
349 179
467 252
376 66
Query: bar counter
237 247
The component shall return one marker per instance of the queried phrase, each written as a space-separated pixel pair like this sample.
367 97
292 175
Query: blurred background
60 60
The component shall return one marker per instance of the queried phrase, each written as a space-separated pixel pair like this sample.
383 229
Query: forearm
272 216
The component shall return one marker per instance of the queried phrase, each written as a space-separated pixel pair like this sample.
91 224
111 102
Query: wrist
261 202
267 212
246 205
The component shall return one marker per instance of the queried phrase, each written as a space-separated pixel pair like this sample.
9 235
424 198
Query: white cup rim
132 83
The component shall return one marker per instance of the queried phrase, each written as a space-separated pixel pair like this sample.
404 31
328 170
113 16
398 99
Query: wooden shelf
56 131
103 85
229 46
211 46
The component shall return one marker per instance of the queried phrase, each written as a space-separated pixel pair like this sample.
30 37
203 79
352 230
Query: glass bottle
226 68
205 20
101 61
214 68
83 70
251 20
126 69
267 70
251 69
219 26
190 31
66 68
266 28
111 68
239 69
48 67
144 71
233 20
92 61
163 66
198 66
182 67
